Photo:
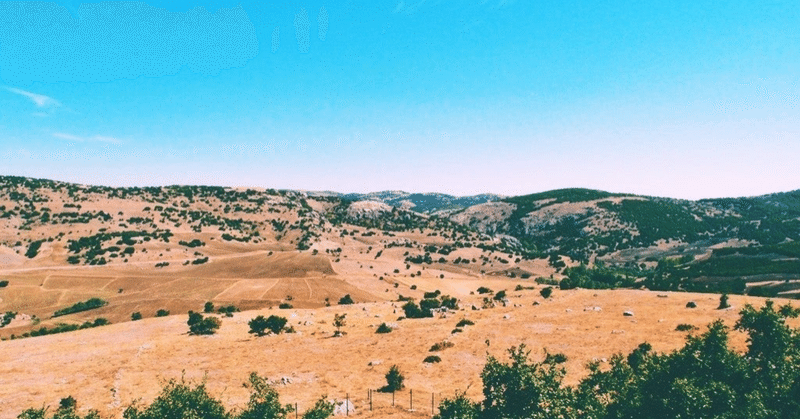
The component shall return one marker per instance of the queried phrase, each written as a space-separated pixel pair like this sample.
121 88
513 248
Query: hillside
119 268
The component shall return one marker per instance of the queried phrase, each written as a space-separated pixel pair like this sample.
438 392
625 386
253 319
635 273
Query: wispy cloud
95 138
41 101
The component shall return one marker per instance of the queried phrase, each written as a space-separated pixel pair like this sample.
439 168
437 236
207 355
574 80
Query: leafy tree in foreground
179 400
259 325
264 402
199 325
322 409
704 379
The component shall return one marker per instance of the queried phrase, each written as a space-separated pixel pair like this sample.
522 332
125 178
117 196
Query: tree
546 292
394 380
136 316
723 302
346 300
339 322
199 325
208 307
322 409
459 407
264 402
179 400
274 324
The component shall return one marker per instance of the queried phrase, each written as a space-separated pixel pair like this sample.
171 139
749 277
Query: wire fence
412 403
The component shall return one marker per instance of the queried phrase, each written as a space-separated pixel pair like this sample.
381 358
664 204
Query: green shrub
208 307
3 284
322 409
432 359
484 290
691 304
285 306
136 316
723 302
33 249
346 300
89 304
394 380
440 346
384 328
259 325
546 292
685 327
162 313
199 325
179 400
465 322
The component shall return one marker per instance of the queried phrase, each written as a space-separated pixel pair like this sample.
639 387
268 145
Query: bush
260 324
199 325
3 284
384 328
33 249
484 290
546 292
136 316
458 408
285 306
264 401
208 307
500 295
440 346
432 359
465 322
179 400
339 322
723 302
162 313
685 327
322 409
691 304
346 300
89 304
394 380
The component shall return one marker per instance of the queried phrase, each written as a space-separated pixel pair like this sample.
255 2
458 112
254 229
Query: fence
413 403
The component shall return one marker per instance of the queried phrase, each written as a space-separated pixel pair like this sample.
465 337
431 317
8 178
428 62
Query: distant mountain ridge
425 203
731 240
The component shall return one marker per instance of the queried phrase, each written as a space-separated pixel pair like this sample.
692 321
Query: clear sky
686 99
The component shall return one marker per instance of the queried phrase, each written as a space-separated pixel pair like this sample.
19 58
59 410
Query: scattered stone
375 362
617 332
592 308
507 316
569 310
663 295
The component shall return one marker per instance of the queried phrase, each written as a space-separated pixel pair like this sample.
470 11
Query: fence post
347 405
411 399
370 400
295 410
431 404
392 398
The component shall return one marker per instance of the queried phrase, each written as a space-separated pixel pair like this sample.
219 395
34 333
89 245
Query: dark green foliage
89 304
264 401
440 346
484 290
63 328
546 292
685 327
162 313
412 311
500 296
285 306
595 278
465 322
259 325
704 379
227 310
384 328
459 407
193 243
322 409
346 300
394 380
199 325
136 316
7 318
33 249
691 304
432 359
3 284
180 400
208 307
723 302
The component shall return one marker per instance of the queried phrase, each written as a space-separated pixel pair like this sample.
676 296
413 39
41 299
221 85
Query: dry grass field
109 367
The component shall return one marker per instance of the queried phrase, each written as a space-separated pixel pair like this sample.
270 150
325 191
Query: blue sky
683 99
